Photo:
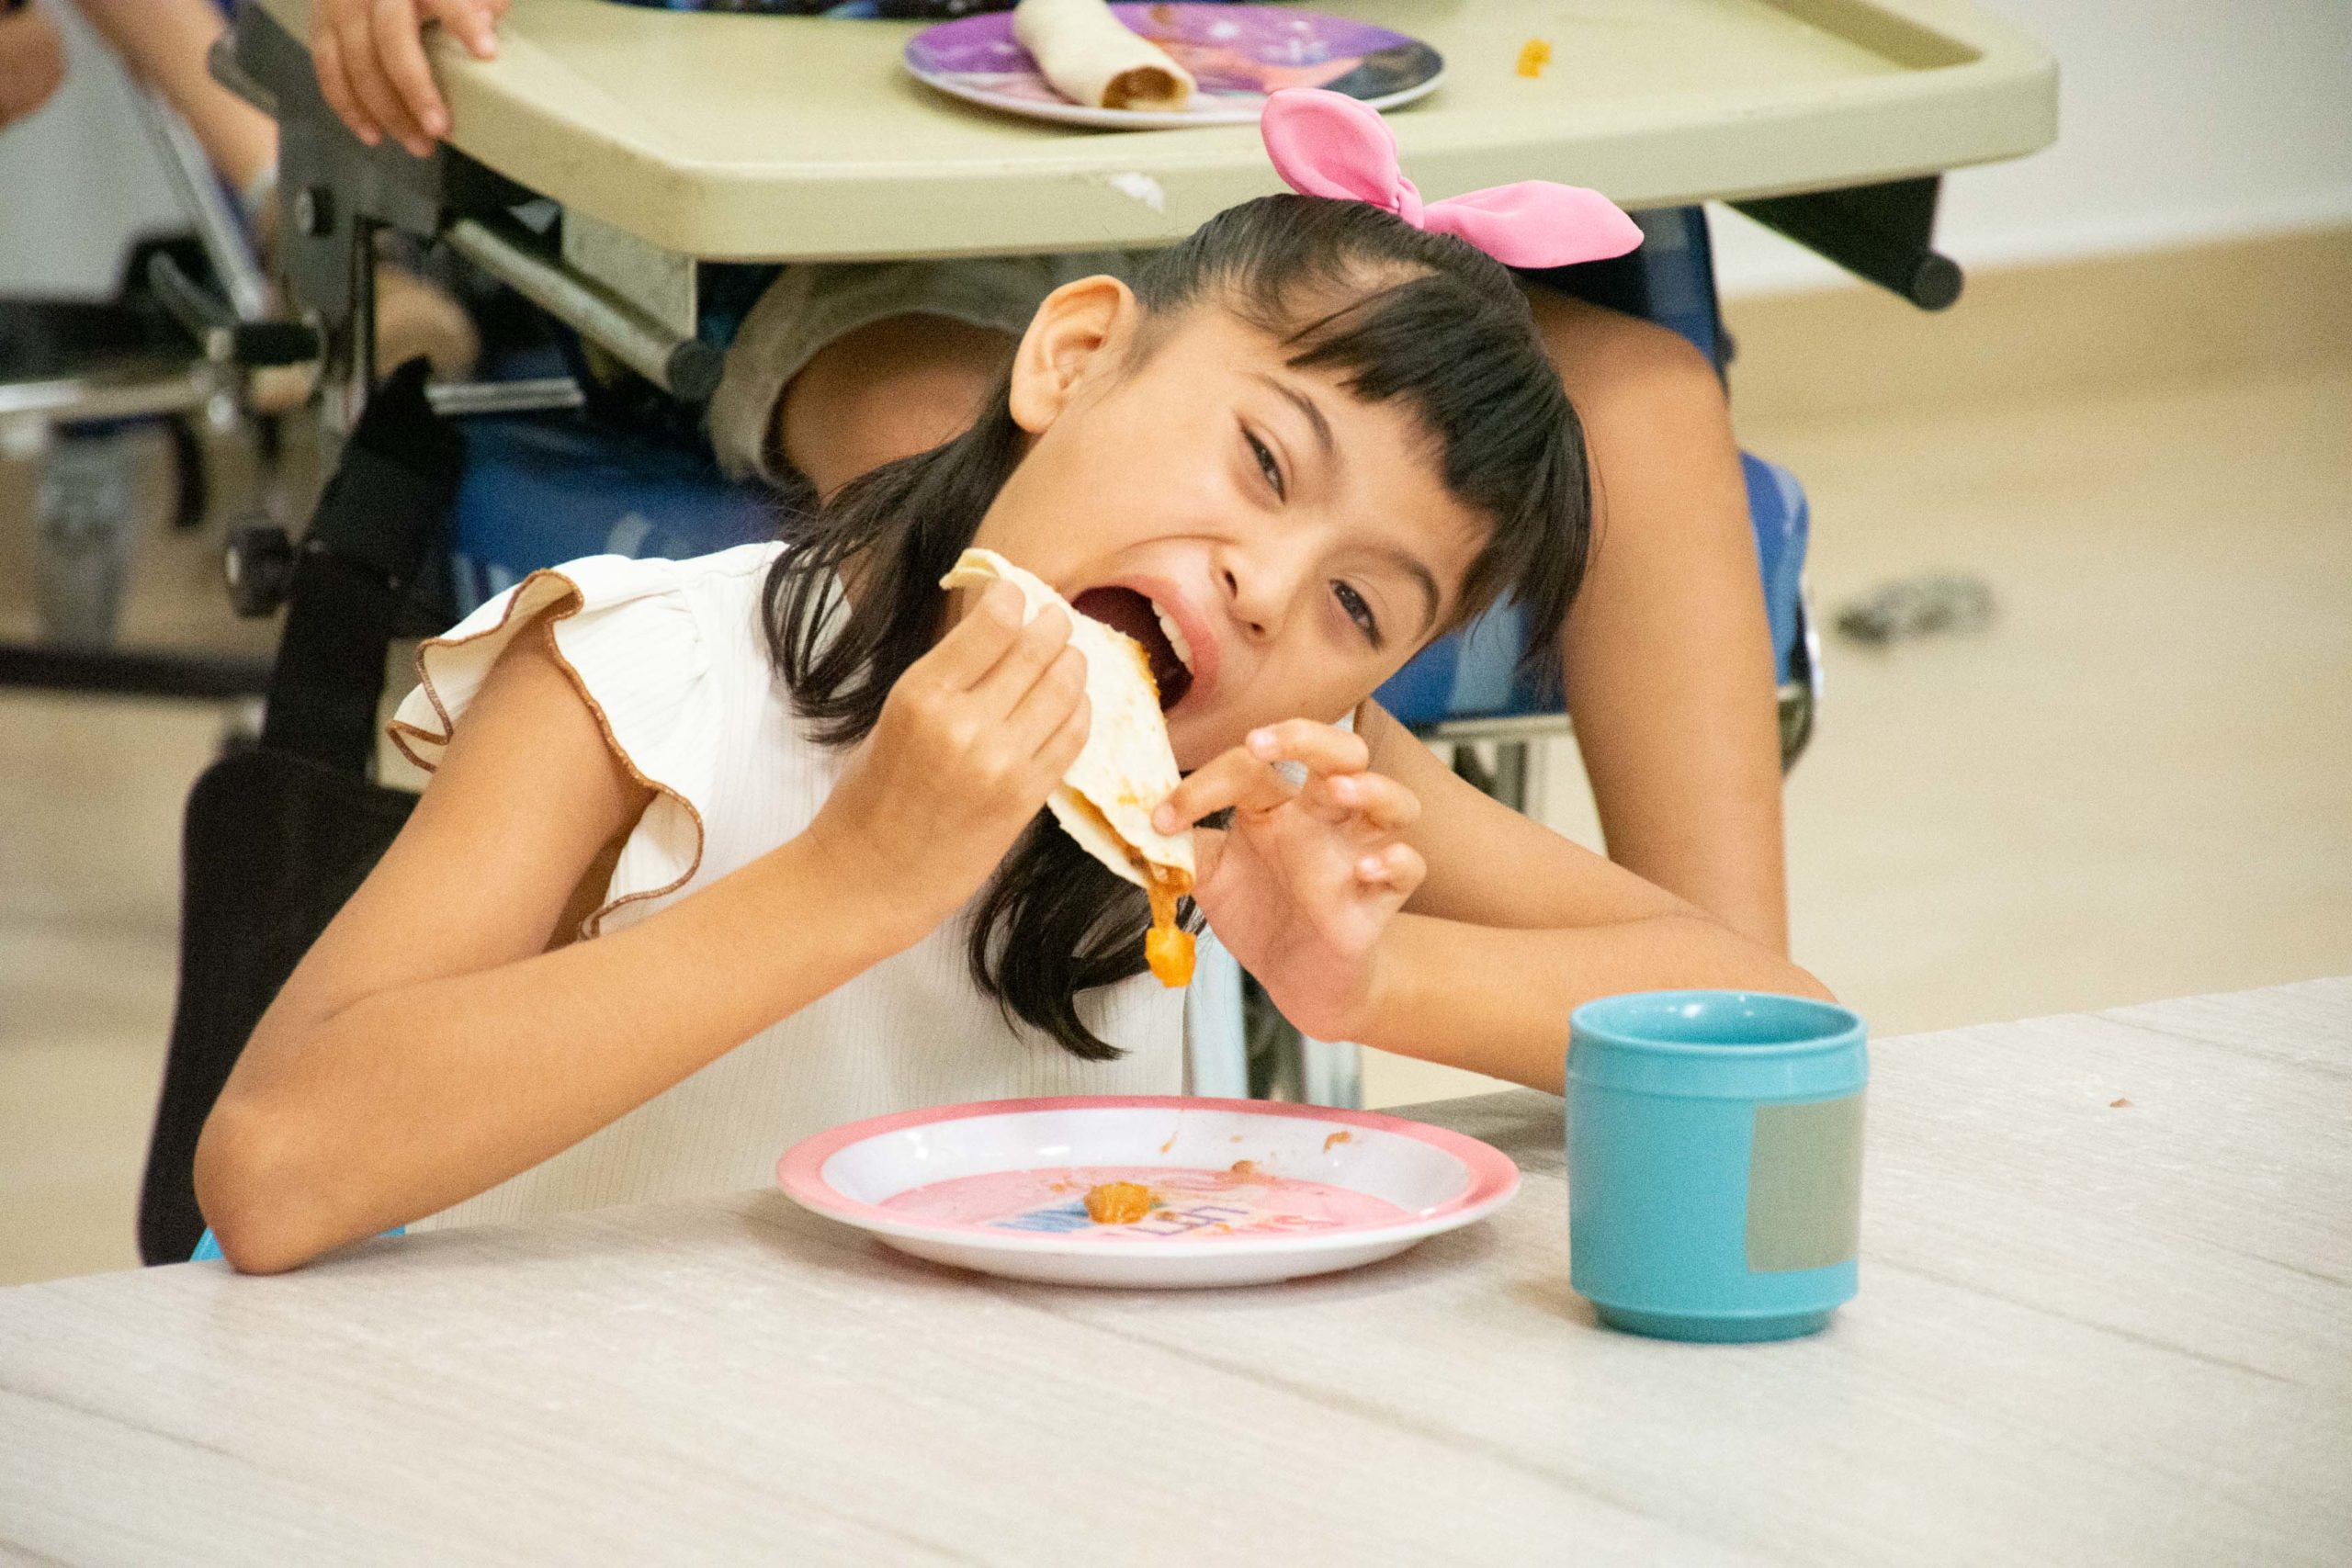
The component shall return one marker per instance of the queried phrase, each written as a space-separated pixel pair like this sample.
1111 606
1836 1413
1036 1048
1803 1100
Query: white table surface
781 137
2085 1333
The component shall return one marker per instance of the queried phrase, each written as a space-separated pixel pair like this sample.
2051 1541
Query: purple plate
1237 53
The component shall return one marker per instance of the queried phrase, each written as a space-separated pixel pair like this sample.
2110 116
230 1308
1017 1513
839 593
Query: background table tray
748 137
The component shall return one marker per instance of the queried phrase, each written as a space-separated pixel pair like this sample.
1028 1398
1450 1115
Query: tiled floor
2131 786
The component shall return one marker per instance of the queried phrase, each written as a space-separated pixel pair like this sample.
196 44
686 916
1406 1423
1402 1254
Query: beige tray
775 138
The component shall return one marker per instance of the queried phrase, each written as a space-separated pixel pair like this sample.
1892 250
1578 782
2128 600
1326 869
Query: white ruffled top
671 657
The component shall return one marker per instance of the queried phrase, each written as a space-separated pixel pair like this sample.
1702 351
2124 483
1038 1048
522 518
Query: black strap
389 502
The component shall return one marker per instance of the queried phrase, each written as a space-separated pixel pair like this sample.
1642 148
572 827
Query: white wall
78 178
2179 121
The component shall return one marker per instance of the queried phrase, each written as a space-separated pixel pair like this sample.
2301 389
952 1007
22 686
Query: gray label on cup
1804 1185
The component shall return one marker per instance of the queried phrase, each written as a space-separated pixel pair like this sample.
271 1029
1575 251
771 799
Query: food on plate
1091 57
1126 770
1338 1137
1534 56
1120 1202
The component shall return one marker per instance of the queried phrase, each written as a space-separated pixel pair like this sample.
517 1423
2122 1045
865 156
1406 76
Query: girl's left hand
1301 887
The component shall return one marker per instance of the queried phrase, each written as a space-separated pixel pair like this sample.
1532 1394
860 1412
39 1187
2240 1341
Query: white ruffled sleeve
626 633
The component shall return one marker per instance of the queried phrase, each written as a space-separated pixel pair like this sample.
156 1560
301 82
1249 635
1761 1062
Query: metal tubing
535 395
221 61
217 228
687 367
128 392
347 367
203 317
1507 726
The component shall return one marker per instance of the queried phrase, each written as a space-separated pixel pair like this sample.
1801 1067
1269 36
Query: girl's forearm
419 1097
1497 1001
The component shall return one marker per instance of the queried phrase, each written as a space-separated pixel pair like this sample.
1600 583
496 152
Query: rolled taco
1090 57
1106 798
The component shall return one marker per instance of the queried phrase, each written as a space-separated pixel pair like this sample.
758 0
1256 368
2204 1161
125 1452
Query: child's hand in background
369 55
971 740
32 61
1301 885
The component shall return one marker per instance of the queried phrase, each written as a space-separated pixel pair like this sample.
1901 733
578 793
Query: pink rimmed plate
1247 1192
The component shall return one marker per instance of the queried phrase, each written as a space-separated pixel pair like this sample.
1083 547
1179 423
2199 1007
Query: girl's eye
1358 611
1266 465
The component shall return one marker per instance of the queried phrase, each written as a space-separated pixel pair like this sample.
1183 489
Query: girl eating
720 852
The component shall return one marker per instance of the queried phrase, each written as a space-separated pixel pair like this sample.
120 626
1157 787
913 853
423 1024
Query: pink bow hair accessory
1329 144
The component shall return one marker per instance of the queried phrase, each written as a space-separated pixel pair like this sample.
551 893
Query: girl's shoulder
606 582
647 642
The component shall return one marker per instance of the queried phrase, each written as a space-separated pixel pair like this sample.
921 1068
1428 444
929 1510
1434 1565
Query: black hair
1396 314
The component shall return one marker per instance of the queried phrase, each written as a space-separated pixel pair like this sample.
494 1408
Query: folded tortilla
1090 57
1126 768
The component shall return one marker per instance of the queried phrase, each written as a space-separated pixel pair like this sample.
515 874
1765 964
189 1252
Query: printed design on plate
1238 57
1194 1204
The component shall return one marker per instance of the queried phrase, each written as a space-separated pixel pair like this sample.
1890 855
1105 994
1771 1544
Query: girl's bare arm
1515 927
1669 663
430 1044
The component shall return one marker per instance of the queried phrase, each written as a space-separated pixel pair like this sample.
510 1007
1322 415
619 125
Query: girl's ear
1076 333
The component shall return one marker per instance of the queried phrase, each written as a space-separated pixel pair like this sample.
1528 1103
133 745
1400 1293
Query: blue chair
539 491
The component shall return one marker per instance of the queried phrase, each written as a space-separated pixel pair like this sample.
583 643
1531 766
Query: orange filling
1534 56
1143 88
1168 947
1120 1202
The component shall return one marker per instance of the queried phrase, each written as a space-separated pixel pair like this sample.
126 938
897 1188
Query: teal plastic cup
1715 1162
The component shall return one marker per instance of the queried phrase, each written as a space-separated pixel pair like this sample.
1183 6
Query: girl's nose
1260 588
1236 602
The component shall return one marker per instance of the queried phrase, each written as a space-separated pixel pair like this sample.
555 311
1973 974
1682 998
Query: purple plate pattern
1237 53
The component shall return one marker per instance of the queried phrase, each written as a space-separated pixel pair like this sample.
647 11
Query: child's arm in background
32 61
1669 656
1385 900
369 56
430 1046
1515 927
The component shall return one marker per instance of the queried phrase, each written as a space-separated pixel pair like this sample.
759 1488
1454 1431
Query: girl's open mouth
1124 610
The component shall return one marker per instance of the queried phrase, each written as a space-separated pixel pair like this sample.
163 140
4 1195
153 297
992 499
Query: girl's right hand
971 743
